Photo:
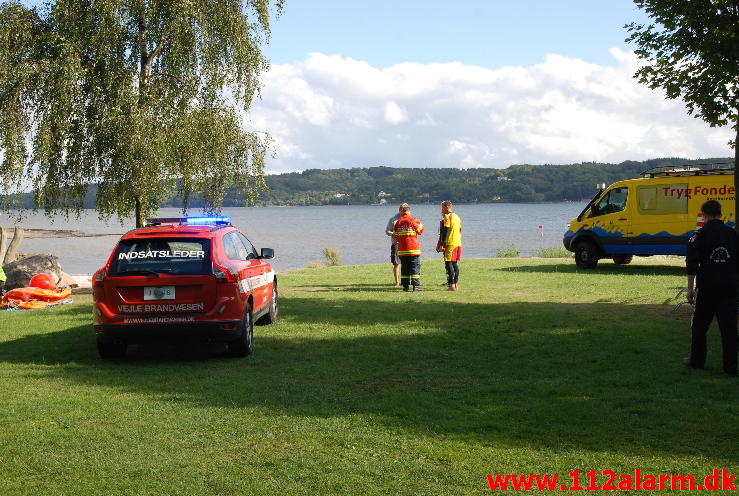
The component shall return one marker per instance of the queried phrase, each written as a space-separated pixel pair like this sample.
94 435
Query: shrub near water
333 256
553 252
511 252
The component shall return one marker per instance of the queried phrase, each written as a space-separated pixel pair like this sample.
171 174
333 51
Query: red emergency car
193 278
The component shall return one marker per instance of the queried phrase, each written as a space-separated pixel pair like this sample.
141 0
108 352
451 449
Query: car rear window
162 255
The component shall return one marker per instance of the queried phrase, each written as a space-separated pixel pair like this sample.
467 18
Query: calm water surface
299 234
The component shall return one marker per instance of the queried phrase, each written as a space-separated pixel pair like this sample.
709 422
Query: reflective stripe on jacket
406 231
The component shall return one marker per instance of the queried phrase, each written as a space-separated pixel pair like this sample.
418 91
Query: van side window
613 201
663 199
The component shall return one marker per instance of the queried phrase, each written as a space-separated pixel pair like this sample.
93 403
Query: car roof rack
708 168
189 221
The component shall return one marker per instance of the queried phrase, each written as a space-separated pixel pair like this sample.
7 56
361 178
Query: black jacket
712 257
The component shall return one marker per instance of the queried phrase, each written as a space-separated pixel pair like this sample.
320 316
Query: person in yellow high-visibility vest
3 278
450 243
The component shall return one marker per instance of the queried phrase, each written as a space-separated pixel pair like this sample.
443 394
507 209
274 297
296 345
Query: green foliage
552 252
134 97
692 52
333 256
511 252
527 183
517 183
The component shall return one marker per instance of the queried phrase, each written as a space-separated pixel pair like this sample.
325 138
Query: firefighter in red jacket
406 231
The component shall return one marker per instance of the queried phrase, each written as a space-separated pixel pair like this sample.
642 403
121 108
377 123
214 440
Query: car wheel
274 309
622 259
244 344
110 350
586 255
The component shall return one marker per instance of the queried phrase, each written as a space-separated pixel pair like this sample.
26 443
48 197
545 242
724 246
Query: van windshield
162 256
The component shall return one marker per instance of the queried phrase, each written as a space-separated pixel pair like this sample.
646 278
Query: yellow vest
454 223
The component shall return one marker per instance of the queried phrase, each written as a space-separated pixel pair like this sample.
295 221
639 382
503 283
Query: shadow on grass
599 377
323 288
601 269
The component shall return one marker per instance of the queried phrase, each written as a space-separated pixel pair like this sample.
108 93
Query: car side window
232 246
251 252
613 201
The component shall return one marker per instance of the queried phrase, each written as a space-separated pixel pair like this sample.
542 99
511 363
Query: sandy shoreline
60 233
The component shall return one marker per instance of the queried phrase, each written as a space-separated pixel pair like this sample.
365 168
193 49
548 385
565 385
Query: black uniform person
712 260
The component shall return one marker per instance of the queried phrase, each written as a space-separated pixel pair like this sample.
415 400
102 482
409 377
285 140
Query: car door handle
623 219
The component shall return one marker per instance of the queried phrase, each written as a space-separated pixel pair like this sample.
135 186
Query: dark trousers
723 306
410 271
452 272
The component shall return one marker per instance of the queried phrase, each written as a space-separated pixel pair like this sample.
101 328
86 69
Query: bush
511 252
333 256
553 252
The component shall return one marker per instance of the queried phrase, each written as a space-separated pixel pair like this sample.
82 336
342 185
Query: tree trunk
13 248
139 213
3 237
736 173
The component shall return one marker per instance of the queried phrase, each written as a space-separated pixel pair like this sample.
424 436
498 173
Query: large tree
692 51
141 98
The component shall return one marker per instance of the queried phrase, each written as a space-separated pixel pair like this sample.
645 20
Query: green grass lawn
532 367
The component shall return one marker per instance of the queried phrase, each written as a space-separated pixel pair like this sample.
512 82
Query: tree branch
143 54
157 50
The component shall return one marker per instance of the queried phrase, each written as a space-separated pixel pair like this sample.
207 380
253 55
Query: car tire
274 309
111 350
586 255
622 259
244 344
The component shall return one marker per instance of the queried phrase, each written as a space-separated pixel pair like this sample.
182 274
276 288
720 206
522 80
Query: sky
469 83
464 84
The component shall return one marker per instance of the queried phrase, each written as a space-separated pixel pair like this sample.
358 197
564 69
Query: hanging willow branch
134 100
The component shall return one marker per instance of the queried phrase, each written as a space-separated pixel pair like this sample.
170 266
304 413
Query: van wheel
110 350
586 255
622 259
244 344
274 309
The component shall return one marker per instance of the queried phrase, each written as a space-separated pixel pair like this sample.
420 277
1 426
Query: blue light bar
207 220
187 220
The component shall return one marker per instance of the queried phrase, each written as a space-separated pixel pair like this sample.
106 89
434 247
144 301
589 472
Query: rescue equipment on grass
33 298
43 281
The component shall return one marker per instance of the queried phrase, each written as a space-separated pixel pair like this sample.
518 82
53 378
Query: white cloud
331 111
394 113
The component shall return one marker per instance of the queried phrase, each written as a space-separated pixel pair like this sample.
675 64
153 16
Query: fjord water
299 234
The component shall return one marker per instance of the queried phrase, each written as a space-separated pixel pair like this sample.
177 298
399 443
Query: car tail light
223 274
99 276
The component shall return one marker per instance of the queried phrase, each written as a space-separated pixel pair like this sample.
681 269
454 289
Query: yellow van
652 215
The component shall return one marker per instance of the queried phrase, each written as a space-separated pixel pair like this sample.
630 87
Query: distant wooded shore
547 183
